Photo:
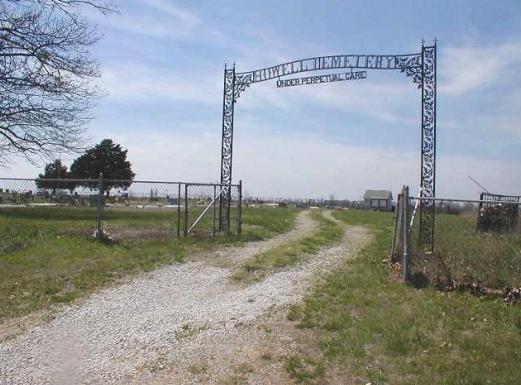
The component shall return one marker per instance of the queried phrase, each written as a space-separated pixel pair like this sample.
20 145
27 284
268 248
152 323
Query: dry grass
49 257
464 255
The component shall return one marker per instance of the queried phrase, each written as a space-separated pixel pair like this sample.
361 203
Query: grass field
47 255
373 329
290 253
464 255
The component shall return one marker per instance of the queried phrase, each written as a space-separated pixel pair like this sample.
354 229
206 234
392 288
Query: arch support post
428 145
227 148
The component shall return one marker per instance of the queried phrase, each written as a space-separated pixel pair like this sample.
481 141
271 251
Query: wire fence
477 243
123 209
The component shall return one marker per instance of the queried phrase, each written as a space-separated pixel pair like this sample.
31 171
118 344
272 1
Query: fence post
186 210
406 236
178 210
214 211
99 217
478 226
228 208
397 227
239 208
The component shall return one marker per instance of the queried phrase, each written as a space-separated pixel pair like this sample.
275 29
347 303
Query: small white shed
379 200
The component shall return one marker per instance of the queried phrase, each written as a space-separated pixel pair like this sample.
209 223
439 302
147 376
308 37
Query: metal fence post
397 236
228 208
406 236
186 210
178 210
99 217
239 208
214 211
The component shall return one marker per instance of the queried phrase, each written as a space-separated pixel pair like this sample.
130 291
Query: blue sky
162 63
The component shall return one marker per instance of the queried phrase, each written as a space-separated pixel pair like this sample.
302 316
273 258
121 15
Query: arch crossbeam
420 67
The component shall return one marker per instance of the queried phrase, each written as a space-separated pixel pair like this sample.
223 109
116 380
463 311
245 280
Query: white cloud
188 18
161 20
467 68
303 166
141 83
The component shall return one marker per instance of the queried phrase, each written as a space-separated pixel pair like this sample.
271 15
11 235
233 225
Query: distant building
378 200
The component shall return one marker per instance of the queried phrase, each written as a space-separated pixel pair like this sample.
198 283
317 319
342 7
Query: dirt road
182 324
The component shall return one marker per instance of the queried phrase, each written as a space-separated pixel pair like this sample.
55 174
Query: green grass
464 255
292 252
47 255
264 222
384 332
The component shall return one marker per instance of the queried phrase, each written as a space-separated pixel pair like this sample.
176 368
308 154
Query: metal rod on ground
186 210
99 218
178 210
406 236
239 224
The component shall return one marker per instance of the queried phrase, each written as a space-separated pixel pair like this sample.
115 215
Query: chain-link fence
477 243
212 208
122 209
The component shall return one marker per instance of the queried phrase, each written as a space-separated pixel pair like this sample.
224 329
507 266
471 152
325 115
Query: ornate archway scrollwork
421 67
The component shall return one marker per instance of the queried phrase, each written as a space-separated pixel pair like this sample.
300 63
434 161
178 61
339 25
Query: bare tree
46 76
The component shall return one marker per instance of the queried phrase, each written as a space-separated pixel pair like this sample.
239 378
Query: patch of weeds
14 238
235 379
198 369
518 325
304 368
188 331
154 366
463 254
294 312
244 368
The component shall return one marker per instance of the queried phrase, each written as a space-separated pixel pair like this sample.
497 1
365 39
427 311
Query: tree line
107 158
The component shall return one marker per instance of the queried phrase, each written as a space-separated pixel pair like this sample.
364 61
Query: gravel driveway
179 313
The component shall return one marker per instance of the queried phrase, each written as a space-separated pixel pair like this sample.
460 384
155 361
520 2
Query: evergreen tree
54 170
107 158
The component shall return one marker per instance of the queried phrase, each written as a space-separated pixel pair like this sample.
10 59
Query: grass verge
290 253
383 332
47 256
464 255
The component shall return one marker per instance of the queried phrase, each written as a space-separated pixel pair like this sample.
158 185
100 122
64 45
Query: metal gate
203 205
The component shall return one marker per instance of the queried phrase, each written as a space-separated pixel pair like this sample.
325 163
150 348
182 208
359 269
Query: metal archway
421 67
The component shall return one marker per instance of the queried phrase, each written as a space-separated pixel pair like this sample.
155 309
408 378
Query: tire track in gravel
256 352
155 328
234 256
